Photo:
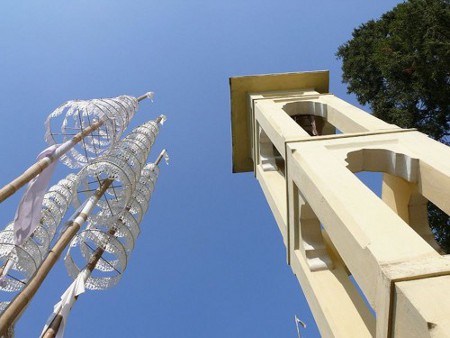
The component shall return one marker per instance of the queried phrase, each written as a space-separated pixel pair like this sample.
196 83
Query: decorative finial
150 95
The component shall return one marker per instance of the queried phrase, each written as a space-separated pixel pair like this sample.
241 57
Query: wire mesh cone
27 257
141 196
3 306
132 214
116 237
56 203
75 116
126 228
24 260
117 194
108 269
122 164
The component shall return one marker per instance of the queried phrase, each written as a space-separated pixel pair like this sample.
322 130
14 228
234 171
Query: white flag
150 95
166 157
163 119
28 213
63 307
298 321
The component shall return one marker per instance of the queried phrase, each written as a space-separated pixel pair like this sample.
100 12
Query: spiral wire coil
122 164
115 239
75 116
27 257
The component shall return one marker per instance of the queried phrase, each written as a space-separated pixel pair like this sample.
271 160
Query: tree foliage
400 66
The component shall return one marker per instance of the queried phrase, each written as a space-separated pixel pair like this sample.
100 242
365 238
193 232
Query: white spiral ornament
111 242
123 165
109 268
113 116
55 205
142 194
19 262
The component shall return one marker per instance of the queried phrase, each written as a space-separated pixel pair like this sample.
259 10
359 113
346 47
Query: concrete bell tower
304 146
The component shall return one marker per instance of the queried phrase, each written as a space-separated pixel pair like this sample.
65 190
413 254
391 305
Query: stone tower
304 146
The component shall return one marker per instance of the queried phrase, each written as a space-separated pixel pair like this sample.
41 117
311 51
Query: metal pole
18 304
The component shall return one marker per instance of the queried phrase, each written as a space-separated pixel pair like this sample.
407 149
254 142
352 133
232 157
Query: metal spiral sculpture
19 262
115 239
102 251
83 134
122 164
112 115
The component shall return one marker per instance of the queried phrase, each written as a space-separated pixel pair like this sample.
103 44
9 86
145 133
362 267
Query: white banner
28 213
63 307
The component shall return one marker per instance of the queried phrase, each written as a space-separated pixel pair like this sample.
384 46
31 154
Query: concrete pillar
336 231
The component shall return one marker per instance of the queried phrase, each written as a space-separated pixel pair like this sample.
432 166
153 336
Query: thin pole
146 95
34 170
55 324
18 304
160 157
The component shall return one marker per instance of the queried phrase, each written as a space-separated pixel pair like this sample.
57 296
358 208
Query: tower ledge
241 86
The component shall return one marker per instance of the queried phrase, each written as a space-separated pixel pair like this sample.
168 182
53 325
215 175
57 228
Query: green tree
400 66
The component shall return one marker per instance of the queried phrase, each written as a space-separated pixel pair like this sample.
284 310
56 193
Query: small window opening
269 157
439 223
313 243
279 161
308 123
311 116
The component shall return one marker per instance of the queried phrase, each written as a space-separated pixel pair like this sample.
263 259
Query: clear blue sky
210 261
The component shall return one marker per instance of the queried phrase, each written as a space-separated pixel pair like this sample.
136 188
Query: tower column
343 242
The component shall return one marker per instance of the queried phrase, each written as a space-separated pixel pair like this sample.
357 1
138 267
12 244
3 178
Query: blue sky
210 261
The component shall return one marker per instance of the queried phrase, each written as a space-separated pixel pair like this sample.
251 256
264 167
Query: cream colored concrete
307 239
240 121
338 309
272 184
422 307
344 116
362 228
278 126
350 119
404 199
368 235
333 225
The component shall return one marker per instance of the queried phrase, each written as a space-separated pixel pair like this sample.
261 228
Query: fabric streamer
28 213
163 119
166 157
150 95
63 307
298 321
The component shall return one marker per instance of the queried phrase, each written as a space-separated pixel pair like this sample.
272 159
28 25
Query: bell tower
304 146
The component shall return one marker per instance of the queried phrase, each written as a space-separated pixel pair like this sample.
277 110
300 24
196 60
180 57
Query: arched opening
311 116
403 189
